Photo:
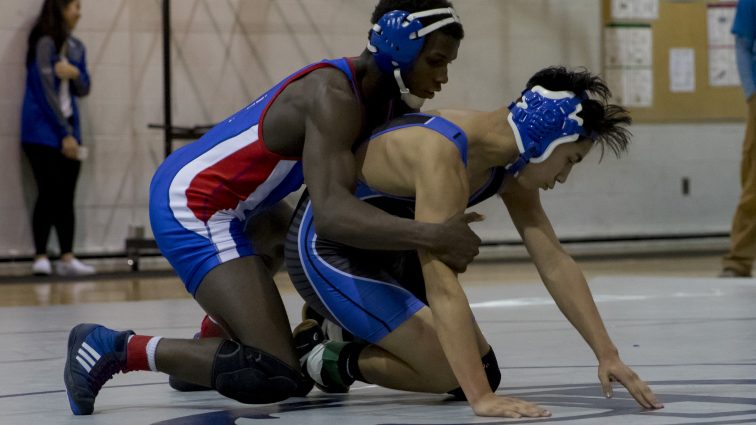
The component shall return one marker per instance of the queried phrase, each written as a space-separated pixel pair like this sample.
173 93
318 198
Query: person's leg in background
44 165
64 219
739 260
56 178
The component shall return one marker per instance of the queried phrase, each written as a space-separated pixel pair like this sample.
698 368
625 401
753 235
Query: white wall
641 194
226 52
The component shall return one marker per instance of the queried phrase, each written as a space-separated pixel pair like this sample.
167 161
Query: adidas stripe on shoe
95 354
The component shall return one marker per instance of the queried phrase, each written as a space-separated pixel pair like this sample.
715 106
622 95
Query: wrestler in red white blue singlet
201 196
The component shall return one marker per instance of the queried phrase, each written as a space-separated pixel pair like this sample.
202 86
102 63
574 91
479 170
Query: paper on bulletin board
645 10
631 87
719 19
628 57
682 70
628 46
638 87
723 70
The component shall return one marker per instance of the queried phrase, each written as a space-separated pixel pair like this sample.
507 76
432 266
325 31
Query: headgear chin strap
541 121
397 39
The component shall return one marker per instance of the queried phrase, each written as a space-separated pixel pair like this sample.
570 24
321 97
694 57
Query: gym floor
691 336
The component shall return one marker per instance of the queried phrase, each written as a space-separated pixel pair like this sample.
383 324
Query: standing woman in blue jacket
50 131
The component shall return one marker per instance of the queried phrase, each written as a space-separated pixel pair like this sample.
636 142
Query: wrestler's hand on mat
456 244
509 407
613 369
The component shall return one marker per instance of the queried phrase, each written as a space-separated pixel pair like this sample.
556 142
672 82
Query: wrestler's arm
333 121
441 191
565 282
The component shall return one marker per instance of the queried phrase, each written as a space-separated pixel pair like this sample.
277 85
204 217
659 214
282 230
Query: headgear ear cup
542 120
397 39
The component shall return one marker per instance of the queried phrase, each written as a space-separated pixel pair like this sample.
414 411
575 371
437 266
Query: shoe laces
103 371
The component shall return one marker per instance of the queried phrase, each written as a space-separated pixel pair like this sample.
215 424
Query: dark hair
608 121
50 22
454 30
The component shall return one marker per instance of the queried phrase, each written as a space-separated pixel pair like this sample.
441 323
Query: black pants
56 178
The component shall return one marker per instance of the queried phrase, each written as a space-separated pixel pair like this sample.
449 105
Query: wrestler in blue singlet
369 293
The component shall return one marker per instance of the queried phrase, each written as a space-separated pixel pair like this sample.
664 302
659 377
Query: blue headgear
397 39
541 121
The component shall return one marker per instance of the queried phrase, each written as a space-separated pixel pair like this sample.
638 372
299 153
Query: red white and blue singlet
202 194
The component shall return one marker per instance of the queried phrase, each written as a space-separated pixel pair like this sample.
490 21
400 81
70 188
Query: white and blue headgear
542 120
397 39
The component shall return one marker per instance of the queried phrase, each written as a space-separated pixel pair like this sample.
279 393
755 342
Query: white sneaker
73 268
42 267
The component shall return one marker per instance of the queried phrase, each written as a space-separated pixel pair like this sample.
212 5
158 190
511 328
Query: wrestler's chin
423 94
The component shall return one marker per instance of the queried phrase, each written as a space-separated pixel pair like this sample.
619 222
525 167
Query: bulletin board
683 25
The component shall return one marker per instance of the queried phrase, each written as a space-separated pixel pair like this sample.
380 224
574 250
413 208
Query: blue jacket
42 121
744 28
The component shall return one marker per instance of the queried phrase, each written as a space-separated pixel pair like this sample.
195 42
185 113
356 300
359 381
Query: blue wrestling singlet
368 292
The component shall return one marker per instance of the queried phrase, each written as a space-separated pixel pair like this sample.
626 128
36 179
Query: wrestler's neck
373 84
491 142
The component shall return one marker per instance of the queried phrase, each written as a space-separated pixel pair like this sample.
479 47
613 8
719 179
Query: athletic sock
140 353
211 329
349 363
